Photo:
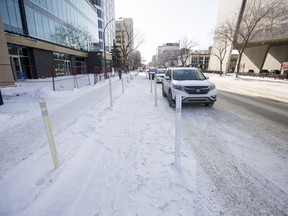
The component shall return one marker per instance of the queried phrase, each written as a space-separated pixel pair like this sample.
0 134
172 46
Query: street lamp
104 38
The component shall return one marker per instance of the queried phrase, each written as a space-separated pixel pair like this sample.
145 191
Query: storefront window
20 62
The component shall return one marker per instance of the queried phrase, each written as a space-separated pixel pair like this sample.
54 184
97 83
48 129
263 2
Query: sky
169 21
119 160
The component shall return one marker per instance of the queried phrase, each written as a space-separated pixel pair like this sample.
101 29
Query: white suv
191 84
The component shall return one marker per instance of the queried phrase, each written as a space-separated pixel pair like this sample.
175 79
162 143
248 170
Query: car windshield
161 71
188 74
152 69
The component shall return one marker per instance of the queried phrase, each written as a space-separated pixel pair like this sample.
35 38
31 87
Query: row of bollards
48 128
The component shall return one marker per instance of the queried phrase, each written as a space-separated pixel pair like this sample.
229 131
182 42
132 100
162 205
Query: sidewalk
114 161
265 88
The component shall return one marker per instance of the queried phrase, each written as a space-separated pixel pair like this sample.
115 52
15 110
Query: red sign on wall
285 65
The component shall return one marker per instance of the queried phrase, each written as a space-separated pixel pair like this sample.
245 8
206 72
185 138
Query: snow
119 160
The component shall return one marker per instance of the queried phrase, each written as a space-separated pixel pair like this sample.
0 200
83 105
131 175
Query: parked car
264 71
191 84
151 72
160 75
230 71
244 70
275 72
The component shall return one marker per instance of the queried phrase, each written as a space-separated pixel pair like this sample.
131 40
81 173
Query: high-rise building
125 37
52 36
166 55
125 32
106 16
267 50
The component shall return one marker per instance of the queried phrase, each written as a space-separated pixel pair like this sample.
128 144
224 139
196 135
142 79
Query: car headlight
178 87
212 87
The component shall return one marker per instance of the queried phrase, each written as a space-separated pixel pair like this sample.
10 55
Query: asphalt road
241 147
266 108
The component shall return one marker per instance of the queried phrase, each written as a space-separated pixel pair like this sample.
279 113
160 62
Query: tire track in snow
238 189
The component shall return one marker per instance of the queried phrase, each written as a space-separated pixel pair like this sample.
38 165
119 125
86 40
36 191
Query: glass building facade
67 22
72 24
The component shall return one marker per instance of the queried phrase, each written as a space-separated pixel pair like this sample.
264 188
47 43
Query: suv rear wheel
163 92
171 100
209 104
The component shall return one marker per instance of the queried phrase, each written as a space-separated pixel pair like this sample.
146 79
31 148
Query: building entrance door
67 66
16 67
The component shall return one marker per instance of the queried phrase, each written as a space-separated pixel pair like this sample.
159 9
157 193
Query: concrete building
125 37
45 37
199 59
268 50
6 75
166 55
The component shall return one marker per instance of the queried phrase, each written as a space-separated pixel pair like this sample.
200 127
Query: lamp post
104 38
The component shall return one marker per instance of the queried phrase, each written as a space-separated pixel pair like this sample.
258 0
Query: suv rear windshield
161 71
152 70
188 74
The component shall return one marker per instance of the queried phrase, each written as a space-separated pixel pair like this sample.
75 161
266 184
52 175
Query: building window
10 12
194 60
39 25
100 35
31 21
43 3
201 59
100 13
207 60
100 24
101 45
46 29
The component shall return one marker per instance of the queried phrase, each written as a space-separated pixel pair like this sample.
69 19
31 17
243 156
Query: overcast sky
166 21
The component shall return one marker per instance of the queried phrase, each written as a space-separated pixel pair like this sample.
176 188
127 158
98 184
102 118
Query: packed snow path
119 160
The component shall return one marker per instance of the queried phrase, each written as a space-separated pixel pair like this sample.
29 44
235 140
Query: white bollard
155 91
49 133
151 81
130 78
110 91
122 85
178 131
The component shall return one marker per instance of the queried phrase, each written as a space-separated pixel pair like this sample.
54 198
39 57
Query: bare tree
168 58
220 49
254 21
128 43
185 48
135 59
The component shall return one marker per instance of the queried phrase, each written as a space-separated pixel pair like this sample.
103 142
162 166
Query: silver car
160 75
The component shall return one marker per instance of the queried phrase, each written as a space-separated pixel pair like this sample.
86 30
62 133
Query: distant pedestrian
120 73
